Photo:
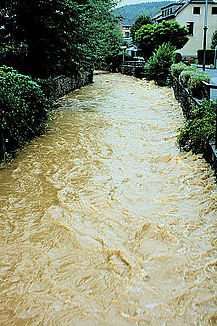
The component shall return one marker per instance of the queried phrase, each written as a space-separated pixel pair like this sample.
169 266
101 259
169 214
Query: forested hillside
131 12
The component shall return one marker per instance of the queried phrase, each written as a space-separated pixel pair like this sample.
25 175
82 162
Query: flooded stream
104 221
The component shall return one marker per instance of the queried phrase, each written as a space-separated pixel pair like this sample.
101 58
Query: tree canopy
139 22
149 37
51 37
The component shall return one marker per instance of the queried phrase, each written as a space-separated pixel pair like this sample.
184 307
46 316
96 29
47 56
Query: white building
191 14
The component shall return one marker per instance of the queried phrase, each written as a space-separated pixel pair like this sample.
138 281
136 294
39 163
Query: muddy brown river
104 221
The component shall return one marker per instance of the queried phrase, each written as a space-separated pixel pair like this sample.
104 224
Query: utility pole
204 35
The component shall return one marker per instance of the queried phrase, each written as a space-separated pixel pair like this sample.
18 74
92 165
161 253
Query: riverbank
25 104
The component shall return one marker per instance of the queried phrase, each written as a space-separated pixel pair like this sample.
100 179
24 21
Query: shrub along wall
191 79
198 133
24 105
23 110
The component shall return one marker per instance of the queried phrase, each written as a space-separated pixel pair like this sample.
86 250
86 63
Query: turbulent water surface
104 221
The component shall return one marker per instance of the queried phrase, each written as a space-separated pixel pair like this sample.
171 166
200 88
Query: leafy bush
199 129
177 57
195 84
185 76
158 67
47 87
23 110
177 68
214 40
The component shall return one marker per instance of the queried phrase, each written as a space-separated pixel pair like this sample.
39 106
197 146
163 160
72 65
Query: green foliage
199 129
195 84
158 67
214 40
47 87
59 36
23 110
191 78
186 75
148 37
172 32
177 68
140 21
177 57
145 39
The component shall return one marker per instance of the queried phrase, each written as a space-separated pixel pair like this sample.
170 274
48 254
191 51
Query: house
191 13
125 29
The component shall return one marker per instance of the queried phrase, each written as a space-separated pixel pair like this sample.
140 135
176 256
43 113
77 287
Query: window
214 10
196 10
190 26
127 34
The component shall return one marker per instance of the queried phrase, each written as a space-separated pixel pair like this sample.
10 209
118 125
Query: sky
129 2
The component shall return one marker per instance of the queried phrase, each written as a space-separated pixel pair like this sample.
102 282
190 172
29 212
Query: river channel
104 221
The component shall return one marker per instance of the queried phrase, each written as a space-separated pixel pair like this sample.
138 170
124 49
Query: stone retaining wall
184 97
189 102
64 85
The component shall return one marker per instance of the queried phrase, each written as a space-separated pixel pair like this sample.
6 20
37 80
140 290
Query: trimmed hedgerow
186 75
190 78
177 68
195 83
23 110
199 129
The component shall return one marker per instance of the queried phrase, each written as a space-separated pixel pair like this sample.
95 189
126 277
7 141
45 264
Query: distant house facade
191 14
125 29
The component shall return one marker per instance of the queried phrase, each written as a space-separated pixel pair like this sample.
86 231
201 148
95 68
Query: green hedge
177 68
210 55
199 129
23 110
191 78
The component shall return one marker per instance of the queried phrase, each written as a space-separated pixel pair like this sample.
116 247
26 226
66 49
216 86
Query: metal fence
133 63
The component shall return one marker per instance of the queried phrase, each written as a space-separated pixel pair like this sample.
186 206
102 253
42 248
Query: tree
58 36
140 21
172 32
149 37
145 39
158 67
214 40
